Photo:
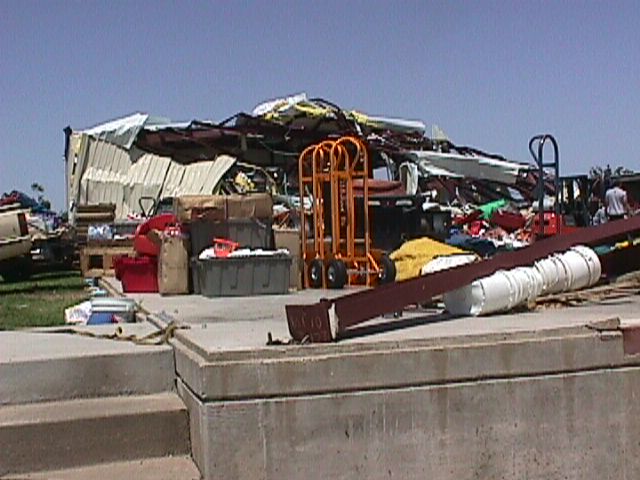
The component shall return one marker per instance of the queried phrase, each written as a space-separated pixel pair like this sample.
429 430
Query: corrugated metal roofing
102 172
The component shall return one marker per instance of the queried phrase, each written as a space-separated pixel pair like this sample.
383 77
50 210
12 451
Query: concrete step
164 468
73 433
44 366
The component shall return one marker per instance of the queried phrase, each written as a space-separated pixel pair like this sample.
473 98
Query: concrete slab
198 309
237 335
165 468
42 366
55 342
64 434
231 325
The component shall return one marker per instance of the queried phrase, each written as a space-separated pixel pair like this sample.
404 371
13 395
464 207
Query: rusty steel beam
324 321
631 339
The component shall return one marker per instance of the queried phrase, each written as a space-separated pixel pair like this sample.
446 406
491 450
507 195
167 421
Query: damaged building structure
291 150
403 387
138 156
283 162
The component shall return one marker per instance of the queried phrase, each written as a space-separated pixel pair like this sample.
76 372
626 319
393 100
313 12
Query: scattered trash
218 252
78 314
101 310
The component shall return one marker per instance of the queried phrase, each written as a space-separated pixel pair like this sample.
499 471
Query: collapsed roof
272 135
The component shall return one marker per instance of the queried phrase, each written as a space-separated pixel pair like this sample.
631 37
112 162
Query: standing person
615 200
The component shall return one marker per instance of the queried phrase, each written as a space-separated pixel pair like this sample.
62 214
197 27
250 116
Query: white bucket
490 294
531 281
464 301
554 274
578 269
592 259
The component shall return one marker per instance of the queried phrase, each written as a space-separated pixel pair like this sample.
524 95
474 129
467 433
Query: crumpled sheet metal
469 166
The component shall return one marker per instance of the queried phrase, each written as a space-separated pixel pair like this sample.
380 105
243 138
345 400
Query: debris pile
241 182
52 239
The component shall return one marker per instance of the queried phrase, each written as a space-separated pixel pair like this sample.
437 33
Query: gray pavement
46 344
242 323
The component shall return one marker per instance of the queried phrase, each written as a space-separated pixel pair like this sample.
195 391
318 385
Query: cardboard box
256 205
173 265
223 207
290 239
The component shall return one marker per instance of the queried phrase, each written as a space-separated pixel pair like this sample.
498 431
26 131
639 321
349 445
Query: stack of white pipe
577 268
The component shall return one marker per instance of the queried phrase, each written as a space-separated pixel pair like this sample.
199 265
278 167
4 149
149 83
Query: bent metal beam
325 320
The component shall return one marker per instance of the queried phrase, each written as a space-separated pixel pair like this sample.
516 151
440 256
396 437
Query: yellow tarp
414 254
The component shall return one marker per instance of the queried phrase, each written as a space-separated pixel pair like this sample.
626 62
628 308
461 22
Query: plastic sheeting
413 255
447 262
123 131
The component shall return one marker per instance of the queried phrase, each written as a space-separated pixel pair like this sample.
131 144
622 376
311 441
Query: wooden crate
97 261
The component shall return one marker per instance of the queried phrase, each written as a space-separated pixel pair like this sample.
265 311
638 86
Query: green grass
41 300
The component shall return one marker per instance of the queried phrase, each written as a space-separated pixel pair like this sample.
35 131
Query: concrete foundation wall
318 372
569 426
551 405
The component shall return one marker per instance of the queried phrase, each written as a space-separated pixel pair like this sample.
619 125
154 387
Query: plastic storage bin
137 274
102 310
241 276
247 232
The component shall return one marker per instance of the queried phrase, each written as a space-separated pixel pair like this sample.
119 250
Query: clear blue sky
491 74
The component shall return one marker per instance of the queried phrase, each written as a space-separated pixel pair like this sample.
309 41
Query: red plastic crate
137 274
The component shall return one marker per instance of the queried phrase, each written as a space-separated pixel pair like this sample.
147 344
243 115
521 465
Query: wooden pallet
97 261
120 243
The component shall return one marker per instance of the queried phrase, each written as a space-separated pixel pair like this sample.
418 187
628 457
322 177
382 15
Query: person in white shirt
615 200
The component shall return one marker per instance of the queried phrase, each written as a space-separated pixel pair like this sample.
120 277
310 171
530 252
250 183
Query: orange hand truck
339 252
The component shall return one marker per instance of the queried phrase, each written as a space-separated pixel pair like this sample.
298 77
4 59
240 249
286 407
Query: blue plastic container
100 318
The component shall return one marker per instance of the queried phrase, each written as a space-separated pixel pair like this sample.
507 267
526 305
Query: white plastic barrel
593 261
577 268
490 294
554 274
